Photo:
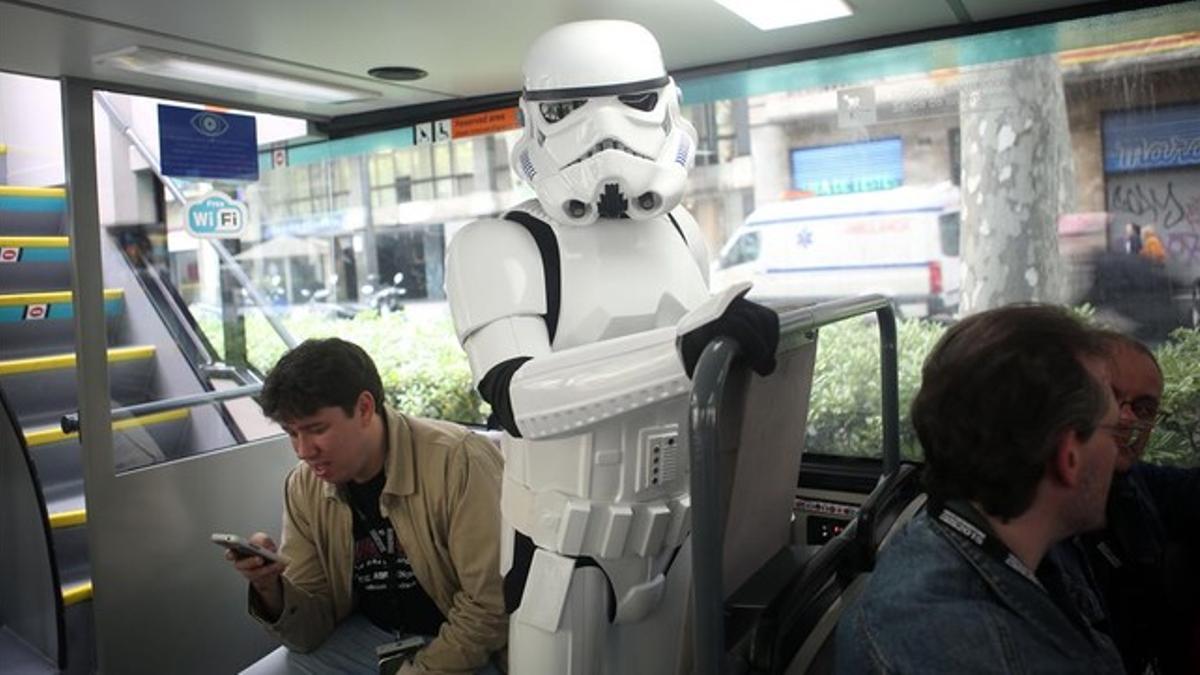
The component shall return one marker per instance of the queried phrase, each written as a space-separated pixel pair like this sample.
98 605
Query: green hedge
845 417
425 372
1176 440
423 369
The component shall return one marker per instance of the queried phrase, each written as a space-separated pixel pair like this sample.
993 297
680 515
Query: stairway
147 362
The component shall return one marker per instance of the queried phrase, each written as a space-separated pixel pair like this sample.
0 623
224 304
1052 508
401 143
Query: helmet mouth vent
608 144
612 203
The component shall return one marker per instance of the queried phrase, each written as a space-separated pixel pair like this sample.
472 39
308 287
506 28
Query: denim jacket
938 603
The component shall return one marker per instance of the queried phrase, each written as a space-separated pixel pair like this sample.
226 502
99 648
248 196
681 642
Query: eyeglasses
1132 434
1145 408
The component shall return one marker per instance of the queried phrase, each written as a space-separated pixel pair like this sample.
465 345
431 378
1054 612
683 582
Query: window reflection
951 175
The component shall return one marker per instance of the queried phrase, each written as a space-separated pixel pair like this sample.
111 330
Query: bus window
950 231
744 250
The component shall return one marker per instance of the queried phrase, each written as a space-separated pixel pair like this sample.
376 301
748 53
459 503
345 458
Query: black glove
756 329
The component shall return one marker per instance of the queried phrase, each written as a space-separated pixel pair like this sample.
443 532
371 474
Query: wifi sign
216 216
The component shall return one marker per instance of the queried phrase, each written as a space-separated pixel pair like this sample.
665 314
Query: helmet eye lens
645 101
553 111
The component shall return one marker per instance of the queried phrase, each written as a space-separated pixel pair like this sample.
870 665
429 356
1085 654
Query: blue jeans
350 649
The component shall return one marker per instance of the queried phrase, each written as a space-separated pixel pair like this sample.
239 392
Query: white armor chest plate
619 487
622 277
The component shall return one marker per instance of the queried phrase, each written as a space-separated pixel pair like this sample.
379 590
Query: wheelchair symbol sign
216 216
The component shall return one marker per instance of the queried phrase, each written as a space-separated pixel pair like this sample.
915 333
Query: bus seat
794 630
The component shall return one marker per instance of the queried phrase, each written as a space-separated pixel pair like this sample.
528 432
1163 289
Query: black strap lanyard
965 520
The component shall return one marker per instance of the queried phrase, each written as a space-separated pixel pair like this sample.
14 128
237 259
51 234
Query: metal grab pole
708 388
889 375
708 597
70 421
226 257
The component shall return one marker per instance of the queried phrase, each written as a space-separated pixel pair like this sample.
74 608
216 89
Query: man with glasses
1019 427
1143 561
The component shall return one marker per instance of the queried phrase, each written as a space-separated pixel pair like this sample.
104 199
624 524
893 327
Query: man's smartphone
244 549
393 655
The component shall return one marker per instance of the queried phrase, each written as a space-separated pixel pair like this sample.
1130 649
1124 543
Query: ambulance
902 243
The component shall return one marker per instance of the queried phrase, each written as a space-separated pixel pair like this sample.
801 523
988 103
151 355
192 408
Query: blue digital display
207 145
849 168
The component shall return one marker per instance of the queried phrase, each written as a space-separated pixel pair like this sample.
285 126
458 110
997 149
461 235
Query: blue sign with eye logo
203 144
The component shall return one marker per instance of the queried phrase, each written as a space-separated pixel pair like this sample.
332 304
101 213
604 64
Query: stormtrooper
582 313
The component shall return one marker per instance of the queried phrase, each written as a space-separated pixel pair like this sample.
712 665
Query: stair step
32 199
64 519
54 434
50 305
32 211
77 593
67 501
60 361
34 249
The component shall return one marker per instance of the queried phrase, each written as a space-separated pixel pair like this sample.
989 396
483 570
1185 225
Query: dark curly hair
318 374
997 393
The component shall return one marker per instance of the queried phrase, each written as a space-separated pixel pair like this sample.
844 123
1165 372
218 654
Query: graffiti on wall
1150 204
1170 205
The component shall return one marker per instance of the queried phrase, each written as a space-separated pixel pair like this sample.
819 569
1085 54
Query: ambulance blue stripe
845 268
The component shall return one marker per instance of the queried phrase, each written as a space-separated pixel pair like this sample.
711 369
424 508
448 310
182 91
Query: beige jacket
442 496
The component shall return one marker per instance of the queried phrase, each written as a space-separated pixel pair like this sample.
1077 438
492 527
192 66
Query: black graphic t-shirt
385 589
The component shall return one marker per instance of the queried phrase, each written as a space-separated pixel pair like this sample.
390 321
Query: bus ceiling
324 54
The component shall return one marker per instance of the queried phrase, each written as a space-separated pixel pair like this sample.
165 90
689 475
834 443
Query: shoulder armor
493 271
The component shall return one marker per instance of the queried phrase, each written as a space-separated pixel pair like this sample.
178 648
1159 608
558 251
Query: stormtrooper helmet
604 137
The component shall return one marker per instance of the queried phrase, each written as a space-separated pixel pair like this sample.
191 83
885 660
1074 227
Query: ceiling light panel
197 70
772 14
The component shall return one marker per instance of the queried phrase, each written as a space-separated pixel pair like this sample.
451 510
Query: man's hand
263 575
410 668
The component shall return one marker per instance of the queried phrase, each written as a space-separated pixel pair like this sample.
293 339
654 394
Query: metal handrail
70 421
708 387
235 268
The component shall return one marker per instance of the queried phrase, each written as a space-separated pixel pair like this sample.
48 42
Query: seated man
391 526
1143 562
1019 428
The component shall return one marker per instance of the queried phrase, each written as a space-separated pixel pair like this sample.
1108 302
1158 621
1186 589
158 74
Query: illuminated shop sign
1151 139
849 168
